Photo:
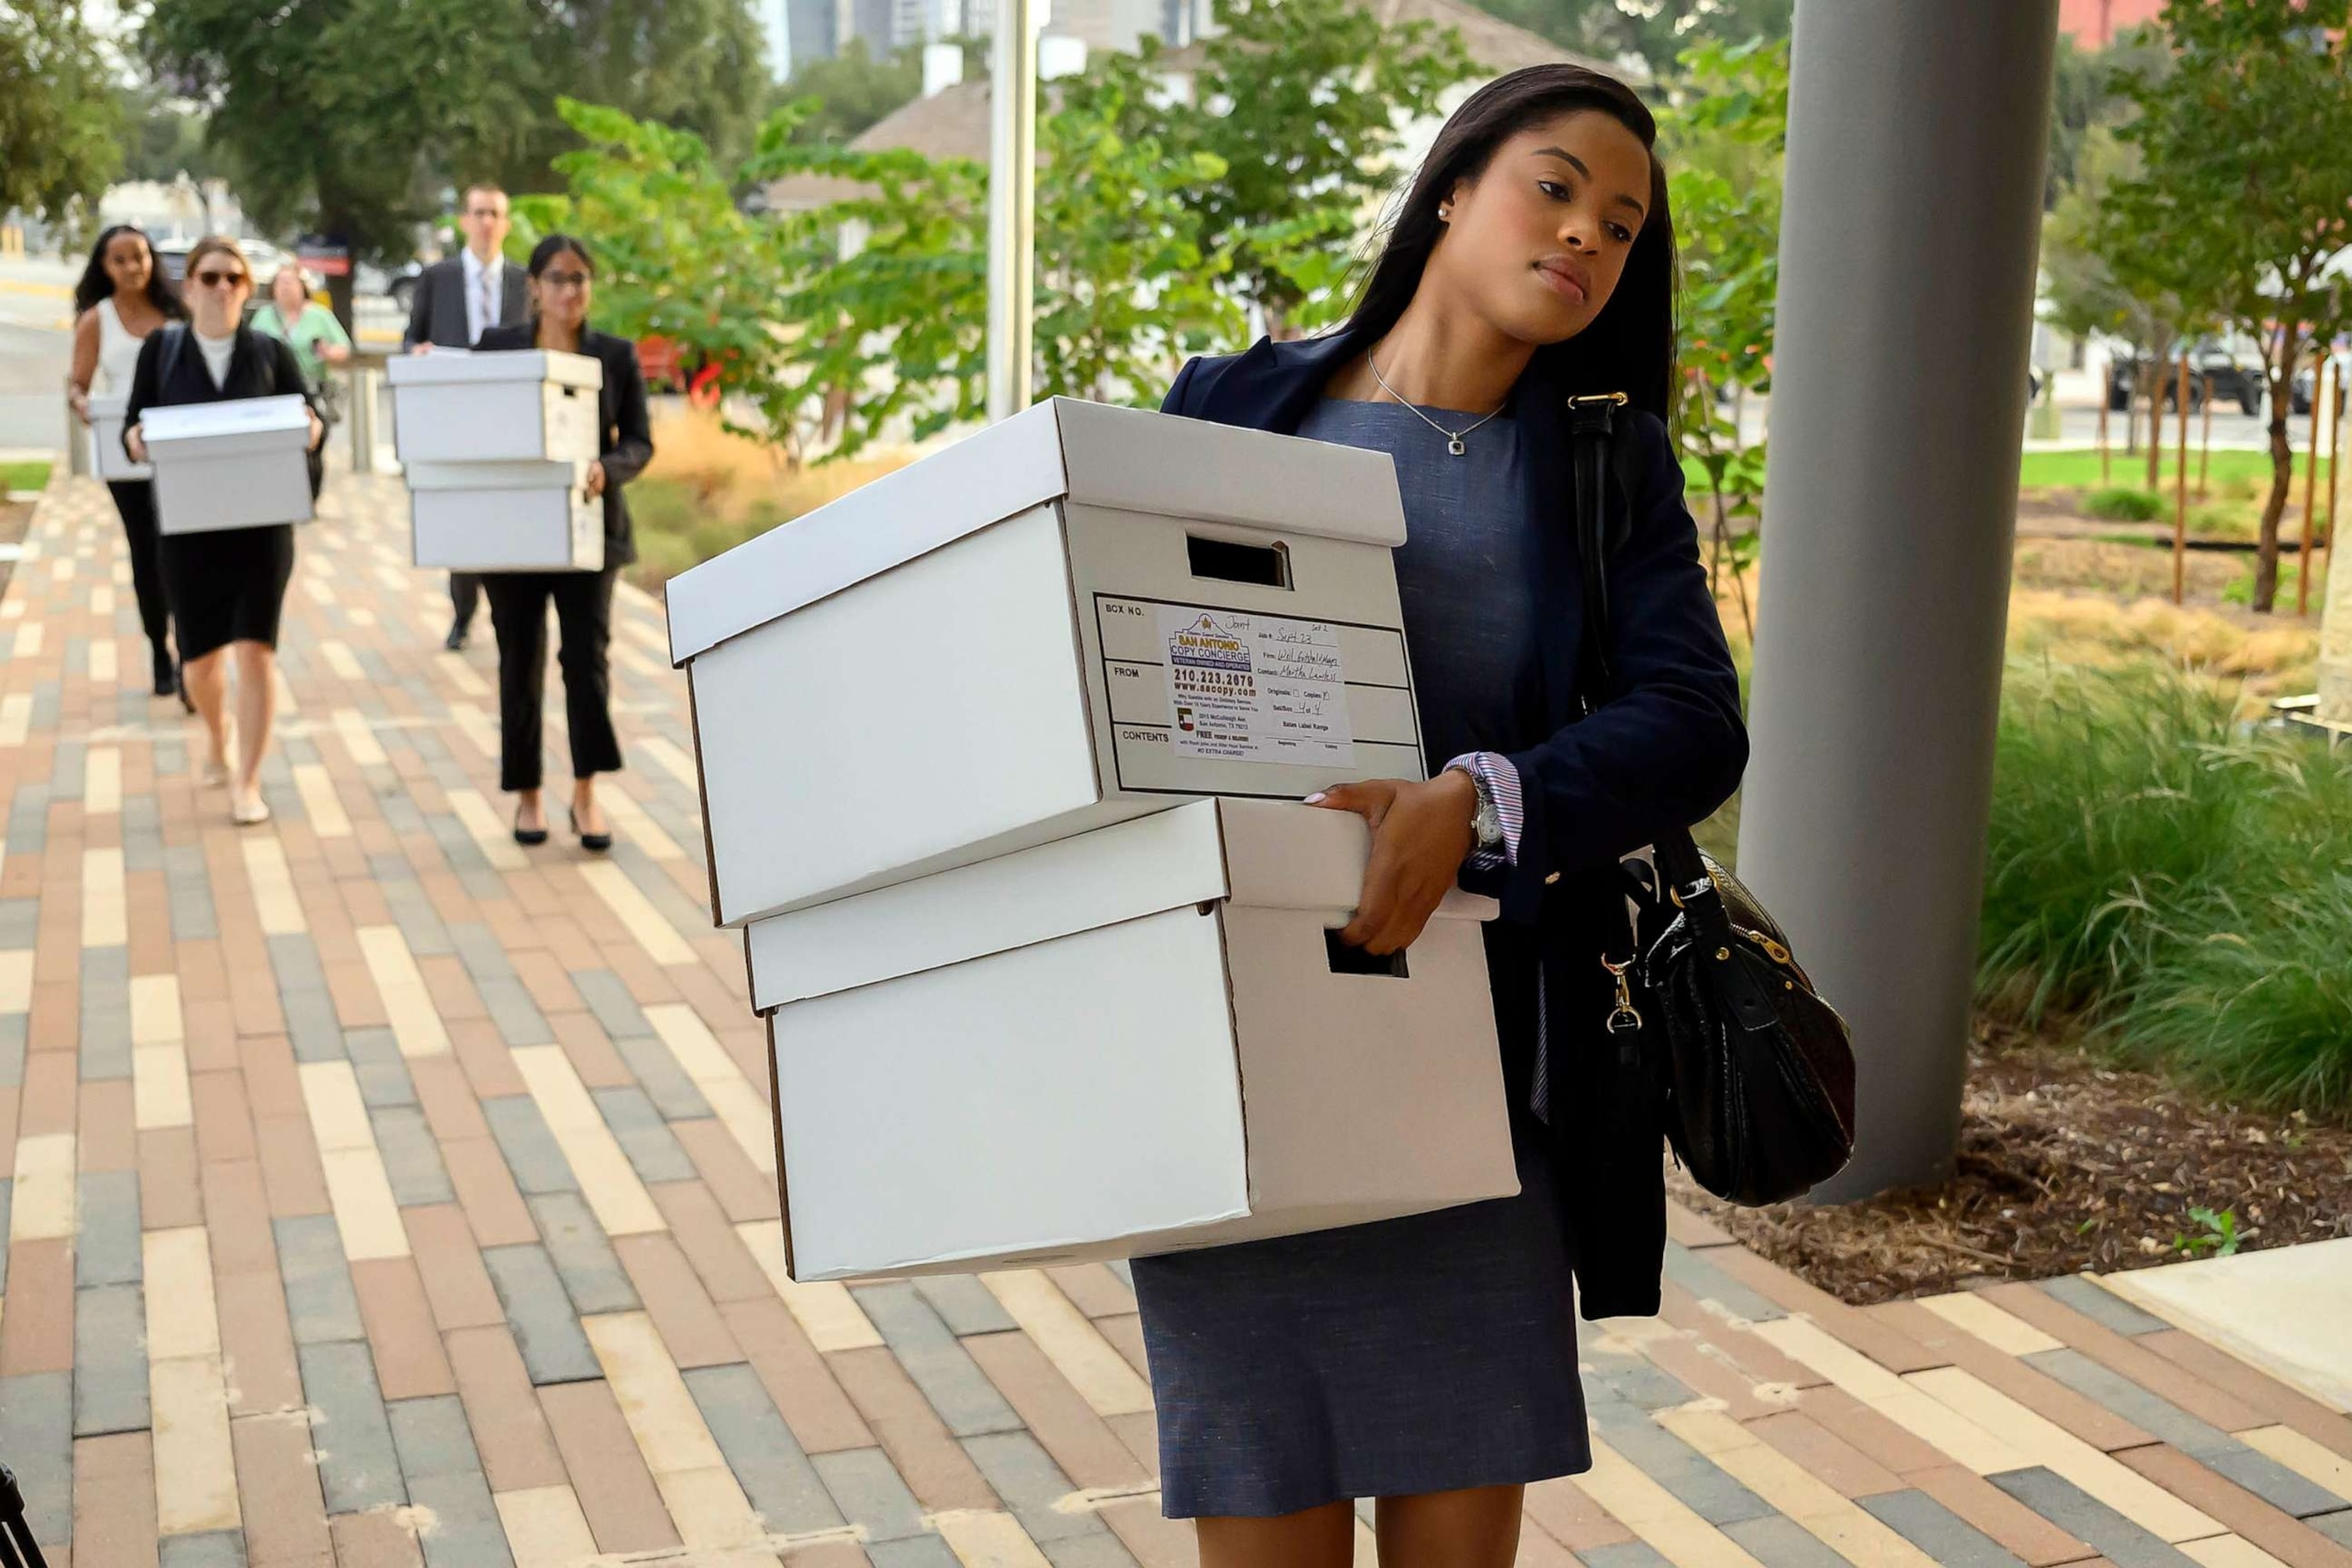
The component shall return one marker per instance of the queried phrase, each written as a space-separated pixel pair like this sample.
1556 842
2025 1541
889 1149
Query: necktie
489 306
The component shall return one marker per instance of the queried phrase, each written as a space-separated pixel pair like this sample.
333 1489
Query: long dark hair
1630 346
97 285
553 246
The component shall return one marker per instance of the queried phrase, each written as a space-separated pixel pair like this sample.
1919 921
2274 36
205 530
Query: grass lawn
22 477
2075 470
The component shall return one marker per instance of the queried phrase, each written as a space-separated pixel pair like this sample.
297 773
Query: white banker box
1079 615
233 464
109 460
453 406
505 517
1143 1039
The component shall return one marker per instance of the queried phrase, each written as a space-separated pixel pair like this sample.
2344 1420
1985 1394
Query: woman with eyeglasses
226 588
121 300
563 283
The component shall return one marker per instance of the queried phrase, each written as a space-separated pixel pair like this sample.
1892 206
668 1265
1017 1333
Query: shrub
2123 505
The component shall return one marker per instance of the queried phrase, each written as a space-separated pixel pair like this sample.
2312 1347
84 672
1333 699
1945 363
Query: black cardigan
258 366
622 433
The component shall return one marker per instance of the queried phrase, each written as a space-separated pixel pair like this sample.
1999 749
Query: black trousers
465 593
135 500
583 616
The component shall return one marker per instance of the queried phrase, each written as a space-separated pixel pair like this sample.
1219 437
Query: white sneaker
250 812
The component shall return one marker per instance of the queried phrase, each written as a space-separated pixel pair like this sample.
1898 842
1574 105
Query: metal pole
1011 206
1917 135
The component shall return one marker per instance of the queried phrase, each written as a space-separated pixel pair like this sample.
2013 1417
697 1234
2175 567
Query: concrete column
1011 206
1908 240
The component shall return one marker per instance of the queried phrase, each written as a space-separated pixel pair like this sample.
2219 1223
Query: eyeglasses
563 280
211 279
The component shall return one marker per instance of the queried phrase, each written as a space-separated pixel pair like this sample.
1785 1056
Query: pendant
1454 445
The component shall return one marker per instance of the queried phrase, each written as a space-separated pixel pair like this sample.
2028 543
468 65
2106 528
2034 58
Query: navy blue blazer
1660 755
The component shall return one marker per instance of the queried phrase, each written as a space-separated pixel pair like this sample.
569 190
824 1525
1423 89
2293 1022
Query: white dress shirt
485 292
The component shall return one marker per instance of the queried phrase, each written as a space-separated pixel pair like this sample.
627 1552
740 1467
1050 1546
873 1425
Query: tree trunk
2266 559
2158 378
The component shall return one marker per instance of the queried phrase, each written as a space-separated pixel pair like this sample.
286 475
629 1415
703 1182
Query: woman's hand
318 431
595 479
136 443
335 353
1421 835
77 399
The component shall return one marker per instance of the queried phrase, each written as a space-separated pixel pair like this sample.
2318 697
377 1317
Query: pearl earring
1444 215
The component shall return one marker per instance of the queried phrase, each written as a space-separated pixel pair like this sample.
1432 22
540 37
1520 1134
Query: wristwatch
1486 821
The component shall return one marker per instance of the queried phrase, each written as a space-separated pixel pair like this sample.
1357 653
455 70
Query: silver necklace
1453 438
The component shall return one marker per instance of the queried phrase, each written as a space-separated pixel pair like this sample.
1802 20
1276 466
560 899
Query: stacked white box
233 464
108 459
1143 1039
1001 758
496 448
1042 629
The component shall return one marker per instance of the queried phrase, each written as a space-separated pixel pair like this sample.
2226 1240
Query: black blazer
258 366
1661 754
436 314
622 432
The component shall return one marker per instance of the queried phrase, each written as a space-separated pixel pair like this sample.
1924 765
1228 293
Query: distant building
2094 23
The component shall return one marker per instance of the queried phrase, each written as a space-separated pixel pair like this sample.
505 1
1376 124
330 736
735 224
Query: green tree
852 90
60 124
164 138
2089 95
357 115
2244 193
1657 32
1725 134
1299 104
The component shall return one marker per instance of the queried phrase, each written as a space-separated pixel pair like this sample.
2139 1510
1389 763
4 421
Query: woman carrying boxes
1430 1362
226 585
121 299
562 280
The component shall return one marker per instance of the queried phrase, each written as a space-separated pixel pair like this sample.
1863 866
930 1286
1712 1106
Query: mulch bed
2066 1162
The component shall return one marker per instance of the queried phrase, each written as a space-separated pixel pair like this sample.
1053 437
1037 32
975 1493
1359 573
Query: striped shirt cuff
1501 780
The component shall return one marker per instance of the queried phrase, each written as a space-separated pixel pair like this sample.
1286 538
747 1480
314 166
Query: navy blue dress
1437 1351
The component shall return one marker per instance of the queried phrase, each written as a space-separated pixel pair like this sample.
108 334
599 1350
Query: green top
315 325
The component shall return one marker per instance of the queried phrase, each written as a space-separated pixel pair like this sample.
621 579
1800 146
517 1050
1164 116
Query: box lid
522 474
452 367
230 417
1127 459
1268 854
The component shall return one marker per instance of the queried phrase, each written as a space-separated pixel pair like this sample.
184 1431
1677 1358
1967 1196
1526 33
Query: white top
117 351
216 352
485 291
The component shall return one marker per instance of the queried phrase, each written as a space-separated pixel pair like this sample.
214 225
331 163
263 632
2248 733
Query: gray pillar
1908 240
1012 205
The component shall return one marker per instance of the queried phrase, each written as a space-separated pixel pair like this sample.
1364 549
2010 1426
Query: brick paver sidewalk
384 1192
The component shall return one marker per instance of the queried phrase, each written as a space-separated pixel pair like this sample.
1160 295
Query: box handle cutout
1263 565
1346 960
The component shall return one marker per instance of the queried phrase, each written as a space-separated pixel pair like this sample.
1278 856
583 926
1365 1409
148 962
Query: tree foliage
60 124
852 90
1656 32
1725 135
356 115
2243 198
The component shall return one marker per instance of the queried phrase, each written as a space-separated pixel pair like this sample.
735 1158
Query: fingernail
1315 799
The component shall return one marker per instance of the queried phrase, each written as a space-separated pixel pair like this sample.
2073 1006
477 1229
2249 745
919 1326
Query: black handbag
1756 1070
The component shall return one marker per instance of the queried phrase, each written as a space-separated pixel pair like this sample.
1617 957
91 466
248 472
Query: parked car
2214 370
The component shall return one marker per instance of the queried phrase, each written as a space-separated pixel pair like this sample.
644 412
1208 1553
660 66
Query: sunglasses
211 279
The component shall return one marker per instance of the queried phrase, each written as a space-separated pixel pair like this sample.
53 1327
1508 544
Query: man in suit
457 300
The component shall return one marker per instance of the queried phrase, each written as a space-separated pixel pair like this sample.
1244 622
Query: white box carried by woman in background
1143 1039
505 517
234 464
453 406
1079 615
108 460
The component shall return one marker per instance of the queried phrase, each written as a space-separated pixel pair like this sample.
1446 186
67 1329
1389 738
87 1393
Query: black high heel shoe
528 837
598 842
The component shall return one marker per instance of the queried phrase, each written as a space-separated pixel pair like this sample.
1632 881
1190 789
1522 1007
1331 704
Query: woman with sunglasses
121 300
227 588
1431 1363
563 283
